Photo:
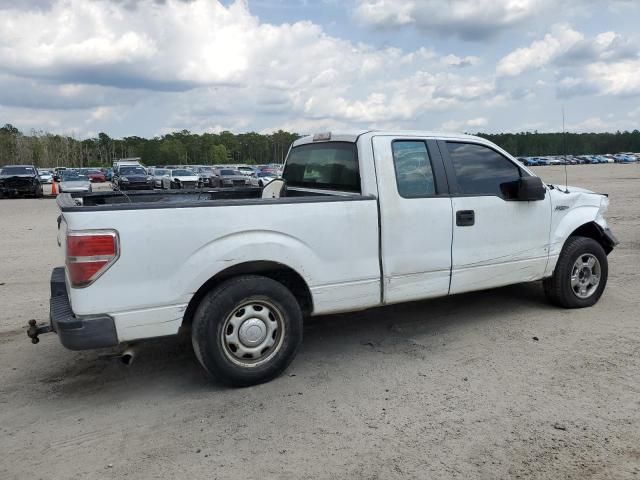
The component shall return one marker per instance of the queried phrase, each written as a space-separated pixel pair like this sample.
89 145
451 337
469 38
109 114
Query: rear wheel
580 275
247 330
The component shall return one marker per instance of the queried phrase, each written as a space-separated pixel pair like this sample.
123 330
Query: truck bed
134 200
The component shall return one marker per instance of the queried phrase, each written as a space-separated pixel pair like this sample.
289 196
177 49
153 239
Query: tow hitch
34 330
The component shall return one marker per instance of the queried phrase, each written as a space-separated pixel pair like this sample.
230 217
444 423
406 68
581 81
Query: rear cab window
325 166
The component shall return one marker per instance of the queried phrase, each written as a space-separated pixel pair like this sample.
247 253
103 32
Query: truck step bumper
77 332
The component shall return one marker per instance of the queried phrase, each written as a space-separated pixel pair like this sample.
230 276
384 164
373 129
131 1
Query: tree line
528 144
44 149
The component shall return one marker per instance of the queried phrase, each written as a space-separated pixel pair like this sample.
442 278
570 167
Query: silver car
158 175
45 176
74 182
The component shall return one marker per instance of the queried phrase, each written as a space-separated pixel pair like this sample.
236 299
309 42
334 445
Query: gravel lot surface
494 384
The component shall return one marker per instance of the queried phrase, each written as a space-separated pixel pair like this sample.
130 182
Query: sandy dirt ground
451 388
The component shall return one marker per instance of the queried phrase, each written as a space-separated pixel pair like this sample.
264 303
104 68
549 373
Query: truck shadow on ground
171 361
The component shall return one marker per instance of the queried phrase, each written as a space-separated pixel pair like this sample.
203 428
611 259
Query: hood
20 175
574 189
187 178
75 183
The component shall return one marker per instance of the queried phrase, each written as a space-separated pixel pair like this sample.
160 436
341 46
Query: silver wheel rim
253 333
585 275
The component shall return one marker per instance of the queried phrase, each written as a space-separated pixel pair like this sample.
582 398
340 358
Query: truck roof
352 136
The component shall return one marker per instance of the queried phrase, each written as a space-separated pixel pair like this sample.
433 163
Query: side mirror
530 189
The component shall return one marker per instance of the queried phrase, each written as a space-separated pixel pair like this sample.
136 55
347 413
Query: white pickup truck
358 221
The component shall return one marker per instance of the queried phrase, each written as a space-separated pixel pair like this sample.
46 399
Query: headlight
124 179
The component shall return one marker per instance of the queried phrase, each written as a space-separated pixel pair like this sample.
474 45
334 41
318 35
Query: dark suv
20 180
132 177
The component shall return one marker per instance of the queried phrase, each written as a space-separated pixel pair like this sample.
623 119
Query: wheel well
594 231
276 271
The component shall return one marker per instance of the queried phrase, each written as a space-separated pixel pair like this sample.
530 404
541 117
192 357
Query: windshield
205 170
181 173
265 174
160 171
227 172
132 171
330 165
18 171
73 177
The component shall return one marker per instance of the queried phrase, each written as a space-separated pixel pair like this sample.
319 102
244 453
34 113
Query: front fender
568 223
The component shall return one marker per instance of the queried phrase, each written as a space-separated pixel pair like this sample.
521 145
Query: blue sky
148 67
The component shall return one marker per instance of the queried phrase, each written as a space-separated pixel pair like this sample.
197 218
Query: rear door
496 240
415 217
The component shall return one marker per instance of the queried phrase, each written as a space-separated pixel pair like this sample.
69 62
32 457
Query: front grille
238 183
17 182
188 184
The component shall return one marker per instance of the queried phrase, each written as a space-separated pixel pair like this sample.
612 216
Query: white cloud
206 62
540 52
456 61
566 47
470 19
457 125
619 78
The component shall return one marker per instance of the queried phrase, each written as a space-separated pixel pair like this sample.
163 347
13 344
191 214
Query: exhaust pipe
128 355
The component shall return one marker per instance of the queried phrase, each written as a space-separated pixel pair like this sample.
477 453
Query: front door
496 240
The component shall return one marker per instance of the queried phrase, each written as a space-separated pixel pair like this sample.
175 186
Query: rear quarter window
330 166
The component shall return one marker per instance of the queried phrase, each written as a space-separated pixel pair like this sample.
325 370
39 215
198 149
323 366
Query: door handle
465 218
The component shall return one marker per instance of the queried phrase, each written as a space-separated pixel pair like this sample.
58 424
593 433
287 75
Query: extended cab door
496 240
415 218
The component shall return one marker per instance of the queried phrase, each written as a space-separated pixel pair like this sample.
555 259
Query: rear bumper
77 332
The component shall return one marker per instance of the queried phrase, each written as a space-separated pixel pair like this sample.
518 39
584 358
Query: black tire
558 287
220 305
39 192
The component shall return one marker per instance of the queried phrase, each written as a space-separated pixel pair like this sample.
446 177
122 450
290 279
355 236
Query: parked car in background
264 177
206 176
228 177
45 176
126 162
95 176
20 180
74 182
132 177
159 174
624 158
248 171
57 173
182 178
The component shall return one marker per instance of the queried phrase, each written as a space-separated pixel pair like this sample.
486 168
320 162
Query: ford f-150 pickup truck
357 221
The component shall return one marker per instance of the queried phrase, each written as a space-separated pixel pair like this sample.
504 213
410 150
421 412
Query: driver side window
482 171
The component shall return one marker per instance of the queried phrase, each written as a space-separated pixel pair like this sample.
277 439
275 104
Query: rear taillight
89 255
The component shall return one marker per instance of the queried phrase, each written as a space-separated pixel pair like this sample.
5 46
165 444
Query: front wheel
580 275
247 330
